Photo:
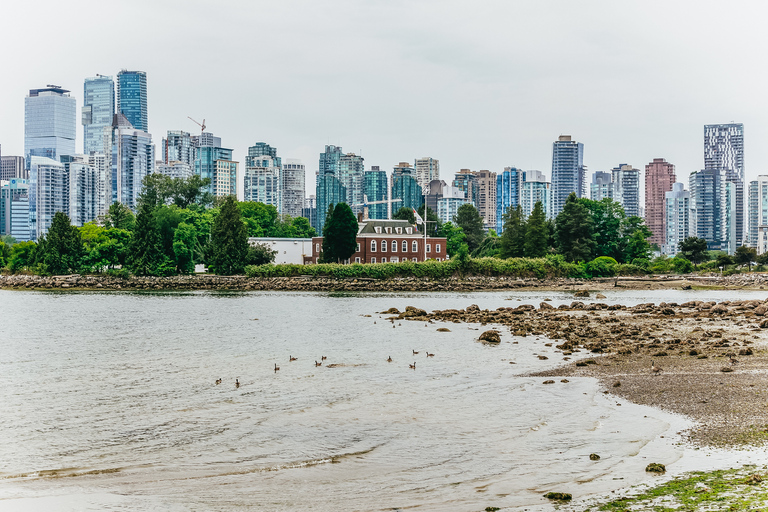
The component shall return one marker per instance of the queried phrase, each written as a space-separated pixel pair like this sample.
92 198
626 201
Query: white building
261 181
448 204
292 187
536 189
758 213
426 170
176 169
678 212
289 250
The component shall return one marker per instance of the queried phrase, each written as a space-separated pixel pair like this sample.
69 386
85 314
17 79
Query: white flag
419 220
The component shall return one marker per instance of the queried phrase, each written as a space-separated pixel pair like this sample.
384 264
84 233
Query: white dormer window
409 231
378 229
399 231
389 230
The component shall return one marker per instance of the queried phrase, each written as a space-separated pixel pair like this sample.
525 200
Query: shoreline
76 282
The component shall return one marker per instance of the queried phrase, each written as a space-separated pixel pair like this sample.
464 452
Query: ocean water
109 402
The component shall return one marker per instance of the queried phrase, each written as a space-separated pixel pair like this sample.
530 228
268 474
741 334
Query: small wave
61 473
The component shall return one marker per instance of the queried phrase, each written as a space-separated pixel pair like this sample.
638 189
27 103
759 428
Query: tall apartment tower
677 222
536 189
724 153
132 157
427 169
179 146
215 162
98 111
292 175
466 181
626 188
132 98
568 171
376 190
48 194
340 179
509 191
713 210
50 123
758 214
12 167
601 186
659 178
261 181
486 203
406 188
14 209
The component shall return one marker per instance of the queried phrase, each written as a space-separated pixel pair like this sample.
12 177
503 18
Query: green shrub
628 269
603 266
122 273
682 265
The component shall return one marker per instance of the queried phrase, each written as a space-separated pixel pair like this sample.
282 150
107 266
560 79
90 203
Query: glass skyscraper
406 188
50 123
132 158
98 111
376 185
568 171
179 146
724 153
292 187
509 190
132 98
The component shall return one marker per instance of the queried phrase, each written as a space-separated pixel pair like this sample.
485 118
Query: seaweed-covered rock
581 293
443 329
548 382
655 467
544 305
391 311
594 456
560 496
491 336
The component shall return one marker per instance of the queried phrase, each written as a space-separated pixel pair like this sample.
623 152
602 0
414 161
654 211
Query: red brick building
388 241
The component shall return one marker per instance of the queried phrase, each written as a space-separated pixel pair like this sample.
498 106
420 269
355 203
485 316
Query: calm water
109 403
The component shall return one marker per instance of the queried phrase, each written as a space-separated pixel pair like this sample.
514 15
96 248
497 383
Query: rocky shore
706 360
410 284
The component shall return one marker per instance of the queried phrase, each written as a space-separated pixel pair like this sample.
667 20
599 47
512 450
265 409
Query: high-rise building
758 214
376 190
132 98
713 205
330 191
427 170
261 149
536 189
310 210
724 152
486 198
261 181
347 184
179 146
568 171
433 192
175 169
12 167
131 158
601 186
626 188
14 209
206 139
48 194
448 203
292 177
98 111
466 181
351 174
50 123
101 163
659 178
407 189
215 163
84 189
678 218
509 193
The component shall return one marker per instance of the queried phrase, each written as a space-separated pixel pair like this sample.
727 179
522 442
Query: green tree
405 213
184 246
454 237
185 192
8 240
536 233
634 241
607 218
146 254
63 247
490 247
469 219
693 249
745 255
104 247
681 265
513 236
302 228
340 234
22 256
574 231
5 254
119 216
260 254
261 219
433 222
228 248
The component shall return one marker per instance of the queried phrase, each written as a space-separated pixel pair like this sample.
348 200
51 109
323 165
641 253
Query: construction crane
387 201
202 126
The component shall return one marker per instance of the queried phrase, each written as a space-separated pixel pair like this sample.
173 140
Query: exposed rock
655 467
726 369
443 329
594 456
548 382
391 311
561 496
491 336
544 305
600 296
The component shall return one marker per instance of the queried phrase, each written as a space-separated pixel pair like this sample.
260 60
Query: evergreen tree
469 219
146 256
693 249
608 219
574 231
634 241
454 237
536 234
343 238
119 216
513 237
329 236
228 249
63 247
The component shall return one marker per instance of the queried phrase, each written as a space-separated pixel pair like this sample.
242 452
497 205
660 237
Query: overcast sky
478 85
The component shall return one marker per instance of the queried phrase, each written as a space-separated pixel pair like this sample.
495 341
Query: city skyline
473 83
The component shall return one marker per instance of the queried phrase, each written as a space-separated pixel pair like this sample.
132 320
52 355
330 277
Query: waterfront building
427 170
601 186
98 111
48 194
509 193
626 188
14 209
724 153
448 203
677 223
568 171
407 189
132 98
179 146
389 241
101 163
175 169
50 123
261 181
659 178
287 250
225 178
486 198
536 189
292 177
758 214
131 158
12 167
376 190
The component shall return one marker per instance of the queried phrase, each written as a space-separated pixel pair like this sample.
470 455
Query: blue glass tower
509 189
376 190
406 187
329 191
568 171
98 111
50 123
132 98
